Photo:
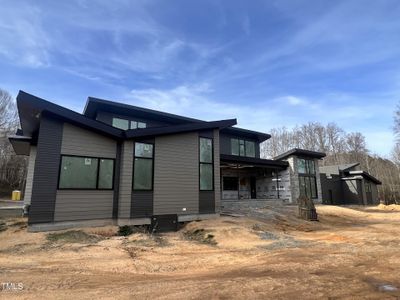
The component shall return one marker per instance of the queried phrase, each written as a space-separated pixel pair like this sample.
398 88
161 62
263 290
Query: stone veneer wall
294 180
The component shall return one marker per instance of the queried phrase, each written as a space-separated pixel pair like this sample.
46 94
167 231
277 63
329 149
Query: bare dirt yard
353 252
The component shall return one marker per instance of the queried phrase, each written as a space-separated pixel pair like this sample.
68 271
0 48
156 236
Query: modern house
127 165
348 184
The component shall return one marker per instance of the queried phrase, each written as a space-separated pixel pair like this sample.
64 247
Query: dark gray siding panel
44 188
142 204
352 192
331 186
207 202
225 143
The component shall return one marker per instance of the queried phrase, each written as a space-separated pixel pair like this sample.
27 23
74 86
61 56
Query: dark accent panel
164 223
142 204
207 134
332 190
117 170
207 202
44 188
225 143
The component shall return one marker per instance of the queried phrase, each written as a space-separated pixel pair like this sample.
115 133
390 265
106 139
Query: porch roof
257 162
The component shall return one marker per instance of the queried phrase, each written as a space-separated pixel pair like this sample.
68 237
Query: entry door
253 191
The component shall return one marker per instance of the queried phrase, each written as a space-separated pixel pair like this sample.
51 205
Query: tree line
340 147
12 167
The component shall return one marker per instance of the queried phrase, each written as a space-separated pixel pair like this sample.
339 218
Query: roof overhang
365 175
302 153
93 105
20 144
31 109
251 161
259 136
157 131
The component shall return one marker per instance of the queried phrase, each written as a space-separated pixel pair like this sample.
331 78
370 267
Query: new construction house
127 165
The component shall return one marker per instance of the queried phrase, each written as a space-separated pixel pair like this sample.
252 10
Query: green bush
125 230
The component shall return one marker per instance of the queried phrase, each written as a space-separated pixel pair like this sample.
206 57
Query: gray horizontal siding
44 187
217 170
29 175
125 183
78 141
176 174
83 205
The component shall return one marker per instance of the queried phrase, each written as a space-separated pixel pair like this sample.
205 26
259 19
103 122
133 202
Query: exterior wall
217 170
44 186
29 176
78 141
374 190
125 185
294 179
176 174
225 143
107 117
352 191
85 204
332 183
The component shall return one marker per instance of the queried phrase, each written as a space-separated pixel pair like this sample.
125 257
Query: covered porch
249 179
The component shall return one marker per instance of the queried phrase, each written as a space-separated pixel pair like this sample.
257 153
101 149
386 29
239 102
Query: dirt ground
352 252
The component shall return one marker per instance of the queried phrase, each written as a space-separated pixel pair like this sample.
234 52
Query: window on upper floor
125 124
243 148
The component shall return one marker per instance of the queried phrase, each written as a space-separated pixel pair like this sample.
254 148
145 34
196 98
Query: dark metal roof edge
251 160
156 131
300 152
95 100
365 174
67 114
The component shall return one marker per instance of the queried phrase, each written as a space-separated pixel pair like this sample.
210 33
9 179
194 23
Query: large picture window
307 178
143 167
206 164
77 172
243 148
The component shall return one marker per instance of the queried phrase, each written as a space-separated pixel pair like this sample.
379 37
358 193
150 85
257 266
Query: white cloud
23 39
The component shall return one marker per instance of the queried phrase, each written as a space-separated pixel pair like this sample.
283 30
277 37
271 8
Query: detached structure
348 184
127 165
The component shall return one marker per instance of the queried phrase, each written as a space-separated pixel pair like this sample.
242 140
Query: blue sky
268 63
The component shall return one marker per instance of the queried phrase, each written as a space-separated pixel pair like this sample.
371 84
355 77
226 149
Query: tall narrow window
250 149
143 167
241 148
234 146
307 178
206 164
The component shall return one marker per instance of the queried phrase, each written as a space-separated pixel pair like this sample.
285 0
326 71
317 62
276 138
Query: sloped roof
300 152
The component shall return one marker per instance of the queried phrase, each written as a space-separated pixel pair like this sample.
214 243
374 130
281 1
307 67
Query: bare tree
12 167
